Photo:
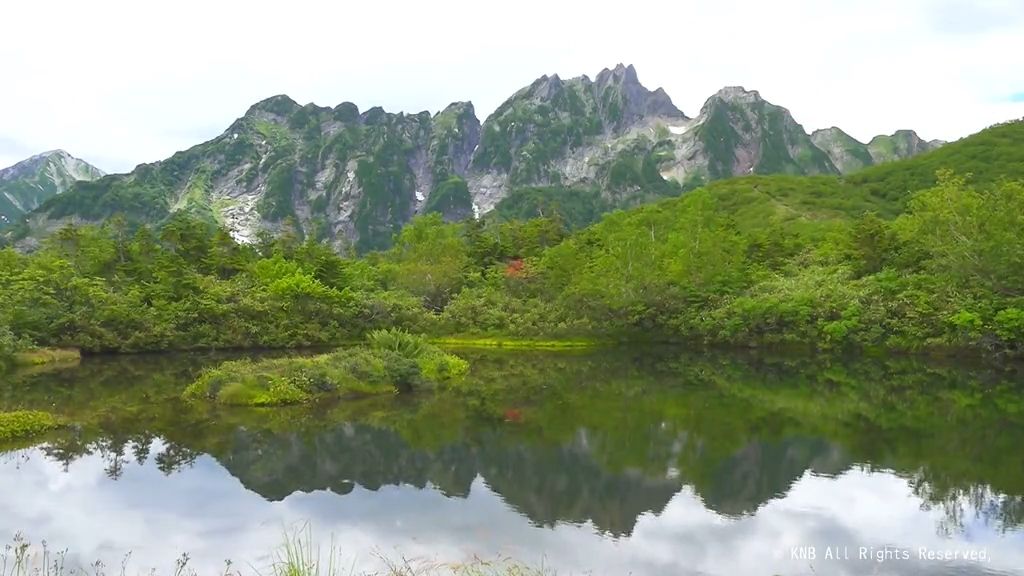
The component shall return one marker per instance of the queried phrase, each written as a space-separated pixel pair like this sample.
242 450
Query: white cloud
121 82
205 512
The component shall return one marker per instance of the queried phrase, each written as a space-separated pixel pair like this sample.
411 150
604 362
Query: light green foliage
10 344
635 267
398 341
191 286
284 381
428 260
973 236
434 364
25 423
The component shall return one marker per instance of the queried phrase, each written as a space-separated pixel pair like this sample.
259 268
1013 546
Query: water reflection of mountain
764 471
548 484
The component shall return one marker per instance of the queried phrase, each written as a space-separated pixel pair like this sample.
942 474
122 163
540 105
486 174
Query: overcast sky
123 82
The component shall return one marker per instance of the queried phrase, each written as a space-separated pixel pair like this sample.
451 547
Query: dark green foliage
783 147
277 203
576 207
111 195
386 202
346 112
280 105
450 197
720 141
635 176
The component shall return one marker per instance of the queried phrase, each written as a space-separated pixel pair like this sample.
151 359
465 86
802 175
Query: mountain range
29 183
354 178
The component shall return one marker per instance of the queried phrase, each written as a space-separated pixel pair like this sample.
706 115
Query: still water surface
624 462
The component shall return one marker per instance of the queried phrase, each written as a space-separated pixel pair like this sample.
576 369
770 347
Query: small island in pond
390 362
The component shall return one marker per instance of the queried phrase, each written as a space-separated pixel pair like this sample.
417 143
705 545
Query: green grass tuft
26 423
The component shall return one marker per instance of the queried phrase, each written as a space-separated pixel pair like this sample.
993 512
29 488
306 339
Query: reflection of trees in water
963 506
119 452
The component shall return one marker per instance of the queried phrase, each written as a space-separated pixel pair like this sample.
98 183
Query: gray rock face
639 103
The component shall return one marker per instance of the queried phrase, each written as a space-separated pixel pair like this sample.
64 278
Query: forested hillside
800 261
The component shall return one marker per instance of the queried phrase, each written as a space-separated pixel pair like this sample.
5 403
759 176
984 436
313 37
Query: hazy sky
123 82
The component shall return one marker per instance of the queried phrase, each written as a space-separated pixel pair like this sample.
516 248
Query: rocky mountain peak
546 87
459 109
830 132
279 105
73 167
620 75
737 95
846 152
908 136
27 184
901 144
636 101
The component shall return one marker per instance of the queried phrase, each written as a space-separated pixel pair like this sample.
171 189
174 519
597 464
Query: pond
628 461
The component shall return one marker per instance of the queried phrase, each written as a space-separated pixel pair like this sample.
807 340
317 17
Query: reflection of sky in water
206 512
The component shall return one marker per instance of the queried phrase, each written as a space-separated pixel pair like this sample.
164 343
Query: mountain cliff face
355 178
564 132
27 184
738 133
339 174
849 155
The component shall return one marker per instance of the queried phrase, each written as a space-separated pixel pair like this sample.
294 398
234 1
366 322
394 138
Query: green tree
428 260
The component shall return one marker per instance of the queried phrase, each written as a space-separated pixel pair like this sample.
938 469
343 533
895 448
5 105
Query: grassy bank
517 343
43 356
